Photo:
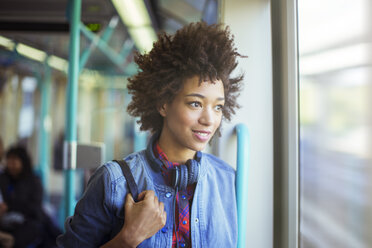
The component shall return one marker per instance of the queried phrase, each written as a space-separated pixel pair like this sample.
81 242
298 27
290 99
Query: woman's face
14 166
192 118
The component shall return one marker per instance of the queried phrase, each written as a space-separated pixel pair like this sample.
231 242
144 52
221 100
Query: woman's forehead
211 87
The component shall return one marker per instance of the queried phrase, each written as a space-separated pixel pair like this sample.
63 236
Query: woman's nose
207 117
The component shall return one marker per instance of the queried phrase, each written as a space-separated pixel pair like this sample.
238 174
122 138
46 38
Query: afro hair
198 49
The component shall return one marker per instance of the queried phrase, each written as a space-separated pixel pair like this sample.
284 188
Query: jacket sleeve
91 224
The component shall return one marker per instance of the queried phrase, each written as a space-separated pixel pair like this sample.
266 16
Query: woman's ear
163 110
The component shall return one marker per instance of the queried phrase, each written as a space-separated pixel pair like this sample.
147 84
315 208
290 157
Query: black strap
129 177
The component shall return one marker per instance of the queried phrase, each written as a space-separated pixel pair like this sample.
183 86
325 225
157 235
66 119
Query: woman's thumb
129 199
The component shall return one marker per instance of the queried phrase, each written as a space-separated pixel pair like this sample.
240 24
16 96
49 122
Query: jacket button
169 194
164 229
196 220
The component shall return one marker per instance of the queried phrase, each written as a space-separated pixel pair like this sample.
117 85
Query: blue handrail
242 180
71 107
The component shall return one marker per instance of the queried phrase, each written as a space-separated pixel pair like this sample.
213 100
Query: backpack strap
129 177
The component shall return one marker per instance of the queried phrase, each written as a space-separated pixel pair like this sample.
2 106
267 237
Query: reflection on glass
335 123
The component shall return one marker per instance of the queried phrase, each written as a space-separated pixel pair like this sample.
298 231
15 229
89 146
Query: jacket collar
155 163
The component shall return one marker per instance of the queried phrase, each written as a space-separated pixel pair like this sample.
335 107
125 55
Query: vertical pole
140 138
109 121
44 140
71 107
242 181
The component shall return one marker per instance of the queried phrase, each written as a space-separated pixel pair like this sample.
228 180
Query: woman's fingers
147 214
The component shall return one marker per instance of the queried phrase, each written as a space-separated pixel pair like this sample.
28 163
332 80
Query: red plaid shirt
183 203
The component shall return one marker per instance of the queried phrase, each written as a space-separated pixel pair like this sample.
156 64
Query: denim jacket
99 214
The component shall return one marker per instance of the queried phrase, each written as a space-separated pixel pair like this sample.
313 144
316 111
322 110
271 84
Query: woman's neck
175 154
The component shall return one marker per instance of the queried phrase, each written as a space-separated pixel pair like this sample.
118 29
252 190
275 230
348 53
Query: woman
21 209
181 94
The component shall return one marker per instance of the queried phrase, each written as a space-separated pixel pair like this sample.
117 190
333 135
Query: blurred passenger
58 152
21 210
6 240
181 93
1 154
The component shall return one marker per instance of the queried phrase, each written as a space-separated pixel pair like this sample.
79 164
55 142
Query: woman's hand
142 220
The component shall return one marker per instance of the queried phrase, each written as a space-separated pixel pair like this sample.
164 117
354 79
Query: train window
335 123
26 115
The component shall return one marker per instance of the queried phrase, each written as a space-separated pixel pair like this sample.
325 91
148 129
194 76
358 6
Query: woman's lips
202 136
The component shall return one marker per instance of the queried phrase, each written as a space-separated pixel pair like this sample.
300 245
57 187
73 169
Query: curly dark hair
197 49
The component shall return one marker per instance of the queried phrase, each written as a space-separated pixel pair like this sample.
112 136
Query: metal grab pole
242 168
69 158
106 35
101 44
45 127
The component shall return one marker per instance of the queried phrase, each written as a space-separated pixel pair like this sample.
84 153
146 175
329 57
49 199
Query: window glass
335 123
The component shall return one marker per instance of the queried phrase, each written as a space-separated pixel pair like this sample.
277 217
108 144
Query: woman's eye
219 107
195 104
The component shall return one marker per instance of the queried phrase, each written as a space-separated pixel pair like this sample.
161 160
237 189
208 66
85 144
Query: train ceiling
43 24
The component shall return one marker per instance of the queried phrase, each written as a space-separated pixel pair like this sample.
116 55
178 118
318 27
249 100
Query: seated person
6 240
21 212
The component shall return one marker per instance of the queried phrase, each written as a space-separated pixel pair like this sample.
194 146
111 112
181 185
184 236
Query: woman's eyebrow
196 95
201 96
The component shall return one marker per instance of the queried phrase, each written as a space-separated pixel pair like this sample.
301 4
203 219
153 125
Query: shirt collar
159 153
